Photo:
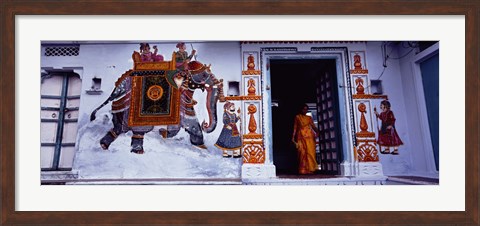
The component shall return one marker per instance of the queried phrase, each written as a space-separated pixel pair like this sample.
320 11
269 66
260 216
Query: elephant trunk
212 99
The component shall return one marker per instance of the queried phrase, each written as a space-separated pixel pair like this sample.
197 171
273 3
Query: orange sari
305 138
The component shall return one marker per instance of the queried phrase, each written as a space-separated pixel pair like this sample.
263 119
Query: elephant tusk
207 85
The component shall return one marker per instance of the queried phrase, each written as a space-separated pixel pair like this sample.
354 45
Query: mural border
10 8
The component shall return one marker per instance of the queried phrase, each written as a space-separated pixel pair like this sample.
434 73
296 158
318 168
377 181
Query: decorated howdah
155 99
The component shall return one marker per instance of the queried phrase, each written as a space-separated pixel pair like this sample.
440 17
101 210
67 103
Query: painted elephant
198 76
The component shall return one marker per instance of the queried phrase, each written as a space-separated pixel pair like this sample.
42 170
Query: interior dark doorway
295 82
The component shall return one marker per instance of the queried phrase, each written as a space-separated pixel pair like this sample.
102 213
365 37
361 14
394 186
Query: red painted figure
387 136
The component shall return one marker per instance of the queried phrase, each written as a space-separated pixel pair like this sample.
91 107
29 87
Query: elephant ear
171 78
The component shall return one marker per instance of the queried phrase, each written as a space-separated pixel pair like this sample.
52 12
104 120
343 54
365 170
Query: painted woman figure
387 136
148 56
181 56
304 134
229 139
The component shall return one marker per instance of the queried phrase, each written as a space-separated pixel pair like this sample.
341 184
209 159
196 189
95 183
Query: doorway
295 82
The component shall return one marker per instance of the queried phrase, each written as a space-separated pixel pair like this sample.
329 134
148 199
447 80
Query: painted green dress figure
181 56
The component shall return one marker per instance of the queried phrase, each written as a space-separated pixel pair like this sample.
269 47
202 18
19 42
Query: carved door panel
329 125
60 101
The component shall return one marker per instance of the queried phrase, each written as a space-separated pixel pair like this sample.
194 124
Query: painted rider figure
148 56
181 56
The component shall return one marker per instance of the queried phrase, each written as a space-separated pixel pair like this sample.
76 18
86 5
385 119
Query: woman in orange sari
304 139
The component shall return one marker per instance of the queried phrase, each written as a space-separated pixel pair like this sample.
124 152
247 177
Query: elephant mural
199 76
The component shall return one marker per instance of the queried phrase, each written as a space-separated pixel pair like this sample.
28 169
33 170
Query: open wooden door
330 144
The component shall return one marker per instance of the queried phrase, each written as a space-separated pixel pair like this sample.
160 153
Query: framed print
189 130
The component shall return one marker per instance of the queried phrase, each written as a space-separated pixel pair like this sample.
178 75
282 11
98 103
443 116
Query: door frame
347 120
60 176
422 107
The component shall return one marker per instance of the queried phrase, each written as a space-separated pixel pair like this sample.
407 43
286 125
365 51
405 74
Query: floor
413 180
282 179
319 179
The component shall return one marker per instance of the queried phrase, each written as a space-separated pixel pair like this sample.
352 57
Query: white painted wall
398 83
110 61
392 83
